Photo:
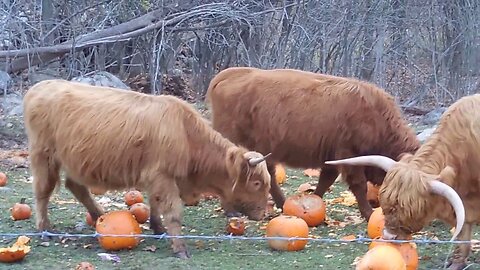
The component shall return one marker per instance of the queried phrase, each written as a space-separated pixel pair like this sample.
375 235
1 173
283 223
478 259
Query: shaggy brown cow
446 164
116 139
305 118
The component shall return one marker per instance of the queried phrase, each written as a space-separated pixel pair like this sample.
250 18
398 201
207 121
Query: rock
5 81
426 133
102 78
432 117
43 75
12 104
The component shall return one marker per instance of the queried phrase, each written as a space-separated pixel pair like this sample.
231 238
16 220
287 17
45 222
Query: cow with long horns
440 181
115 139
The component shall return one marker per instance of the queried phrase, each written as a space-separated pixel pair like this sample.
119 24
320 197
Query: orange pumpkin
376 223
3 179
372 194
383 257
408 251
16 252
309 207
141 212
120 222
280 174
133 197
21 210
287 226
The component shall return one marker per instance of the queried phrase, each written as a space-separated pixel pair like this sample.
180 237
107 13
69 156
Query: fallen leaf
312 172
87 246
349 237
305 187
151 248
199 244
109 257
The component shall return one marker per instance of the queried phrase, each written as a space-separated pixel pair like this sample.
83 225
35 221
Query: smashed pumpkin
16 252
236 226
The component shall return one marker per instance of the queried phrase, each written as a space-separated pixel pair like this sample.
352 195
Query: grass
205 219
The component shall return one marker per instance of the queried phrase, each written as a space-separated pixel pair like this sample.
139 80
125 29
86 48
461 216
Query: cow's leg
357 183
165 200
462 251
326 179
46 176
82 194
275 190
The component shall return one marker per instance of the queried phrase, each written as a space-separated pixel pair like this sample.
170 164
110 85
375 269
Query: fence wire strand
358 239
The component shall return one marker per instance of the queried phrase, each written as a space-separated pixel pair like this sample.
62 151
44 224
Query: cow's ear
231 155
448 175
405 157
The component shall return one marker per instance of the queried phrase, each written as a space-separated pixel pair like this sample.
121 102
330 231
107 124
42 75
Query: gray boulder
102 78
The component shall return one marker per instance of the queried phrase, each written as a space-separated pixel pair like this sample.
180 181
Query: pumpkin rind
16 252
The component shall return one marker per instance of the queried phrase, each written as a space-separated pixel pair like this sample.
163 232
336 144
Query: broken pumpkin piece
236 226
16 252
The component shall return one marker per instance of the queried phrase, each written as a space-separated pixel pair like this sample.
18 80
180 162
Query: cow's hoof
457 266
182 254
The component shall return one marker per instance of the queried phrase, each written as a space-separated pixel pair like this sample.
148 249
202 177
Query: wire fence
357 239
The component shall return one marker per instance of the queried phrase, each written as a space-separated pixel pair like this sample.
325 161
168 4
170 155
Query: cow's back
105 134
303 118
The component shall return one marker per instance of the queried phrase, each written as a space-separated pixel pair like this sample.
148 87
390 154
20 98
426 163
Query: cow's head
407 195
251 183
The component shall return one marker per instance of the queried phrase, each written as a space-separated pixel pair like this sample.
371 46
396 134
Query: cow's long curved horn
382 162
451 195
256 161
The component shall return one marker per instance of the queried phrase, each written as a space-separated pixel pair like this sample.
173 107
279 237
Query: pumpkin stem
22 200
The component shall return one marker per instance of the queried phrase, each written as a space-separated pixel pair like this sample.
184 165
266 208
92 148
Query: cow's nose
388 235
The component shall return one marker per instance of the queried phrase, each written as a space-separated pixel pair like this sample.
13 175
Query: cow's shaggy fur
115 139
305 118
450 155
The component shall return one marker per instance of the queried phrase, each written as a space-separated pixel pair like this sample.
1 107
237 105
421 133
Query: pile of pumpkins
120 223
402 256
300 211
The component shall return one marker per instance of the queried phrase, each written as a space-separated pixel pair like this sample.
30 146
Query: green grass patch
68 216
